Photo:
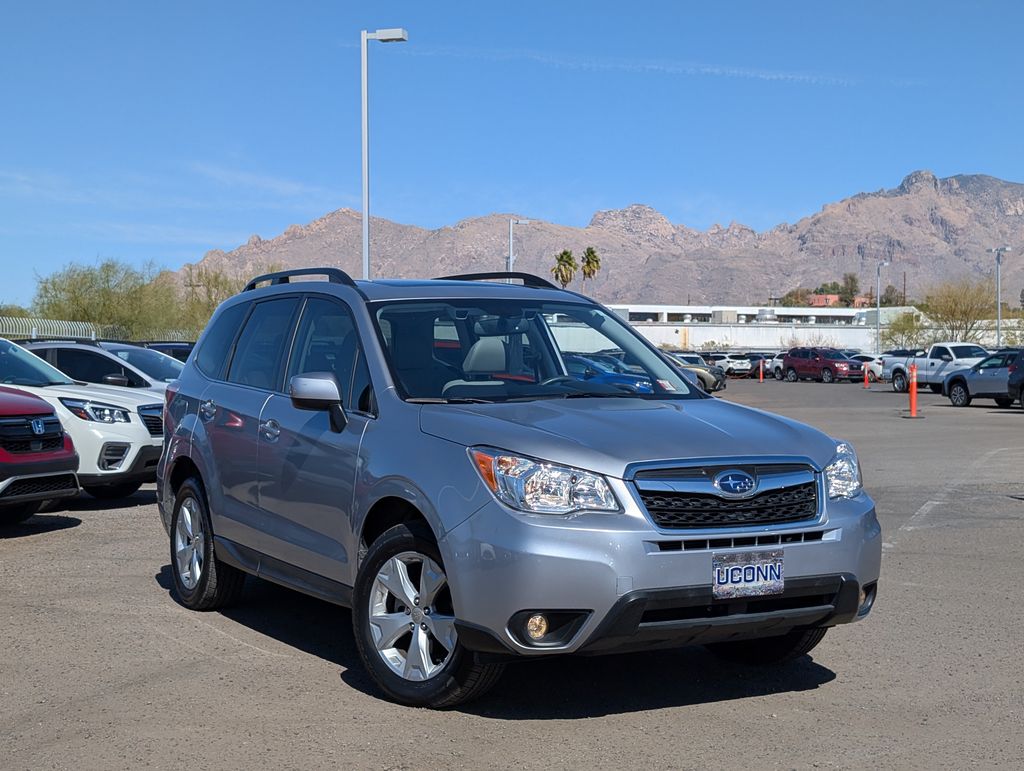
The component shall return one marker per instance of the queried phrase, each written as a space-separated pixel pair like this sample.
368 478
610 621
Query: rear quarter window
216 343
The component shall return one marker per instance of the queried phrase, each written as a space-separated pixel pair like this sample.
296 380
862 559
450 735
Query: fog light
536 626
861 599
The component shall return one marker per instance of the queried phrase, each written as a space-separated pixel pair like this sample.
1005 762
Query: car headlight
843 474
541 488
96 412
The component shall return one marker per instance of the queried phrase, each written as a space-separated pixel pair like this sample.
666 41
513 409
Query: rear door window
259 355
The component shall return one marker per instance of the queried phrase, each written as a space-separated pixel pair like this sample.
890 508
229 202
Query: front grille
60 483
739 542
153 416
654 615
774 507
17 436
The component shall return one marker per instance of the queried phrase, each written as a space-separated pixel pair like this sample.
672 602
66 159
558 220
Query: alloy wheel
189 543
411 618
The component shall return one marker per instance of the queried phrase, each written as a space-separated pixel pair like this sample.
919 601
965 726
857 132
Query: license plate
747 574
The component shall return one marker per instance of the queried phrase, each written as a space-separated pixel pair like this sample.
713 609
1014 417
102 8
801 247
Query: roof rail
95 341
528 279
334 275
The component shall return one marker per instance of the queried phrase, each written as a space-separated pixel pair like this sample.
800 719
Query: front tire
13 515
769 650
959 396
201 581
404 624
827 376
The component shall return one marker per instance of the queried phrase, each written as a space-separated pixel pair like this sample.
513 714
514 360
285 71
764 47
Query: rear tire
770 650
959 396
872 378
778 373
415 666
13 515
899 382
110 492
201 581
791 376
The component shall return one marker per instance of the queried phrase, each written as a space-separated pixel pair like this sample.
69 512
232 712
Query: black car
179 350
1015 381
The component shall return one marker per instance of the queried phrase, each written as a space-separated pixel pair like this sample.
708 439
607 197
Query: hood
606 435
16 403
130 399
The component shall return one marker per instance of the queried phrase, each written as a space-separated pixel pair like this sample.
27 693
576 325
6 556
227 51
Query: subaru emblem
38 427
735 483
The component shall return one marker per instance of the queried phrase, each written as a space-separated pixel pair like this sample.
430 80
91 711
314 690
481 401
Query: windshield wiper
453 400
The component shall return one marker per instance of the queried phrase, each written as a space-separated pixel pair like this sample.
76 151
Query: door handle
270 430
207 410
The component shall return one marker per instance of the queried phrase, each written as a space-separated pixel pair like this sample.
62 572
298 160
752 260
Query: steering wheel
558 379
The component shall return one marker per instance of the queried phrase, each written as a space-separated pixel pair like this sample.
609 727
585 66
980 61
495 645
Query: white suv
118 432
112 364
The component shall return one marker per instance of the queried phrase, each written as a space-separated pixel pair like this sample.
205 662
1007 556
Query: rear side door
307 471
230 411
991 375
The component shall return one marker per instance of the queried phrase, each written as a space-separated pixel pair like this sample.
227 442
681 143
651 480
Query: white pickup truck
933 366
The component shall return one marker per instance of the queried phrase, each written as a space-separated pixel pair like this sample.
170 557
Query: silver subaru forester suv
418 451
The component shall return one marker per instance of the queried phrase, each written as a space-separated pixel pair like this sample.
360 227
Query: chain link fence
29 328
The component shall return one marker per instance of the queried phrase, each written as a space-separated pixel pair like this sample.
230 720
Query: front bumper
632 587
141 468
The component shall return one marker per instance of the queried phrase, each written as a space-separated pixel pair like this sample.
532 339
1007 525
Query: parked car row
100 404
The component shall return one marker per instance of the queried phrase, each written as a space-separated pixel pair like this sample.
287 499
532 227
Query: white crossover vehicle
110 364
118 432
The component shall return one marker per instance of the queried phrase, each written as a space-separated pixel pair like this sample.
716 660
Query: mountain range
931 229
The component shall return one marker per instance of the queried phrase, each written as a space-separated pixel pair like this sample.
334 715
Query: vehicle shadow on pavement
40 523
302 622
85 502
573 688
564 688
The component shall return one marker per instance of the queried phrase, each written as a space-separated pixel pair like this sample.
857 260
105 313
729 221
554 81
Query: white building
752 328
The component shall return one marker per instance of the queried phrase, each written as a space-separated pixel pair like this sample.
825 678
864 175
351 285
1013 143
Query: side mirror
589 372
946 357
319 391
116 380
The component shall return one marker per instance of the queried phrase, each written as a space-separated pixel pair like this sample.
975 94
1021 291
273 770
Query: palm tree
565 268
591 263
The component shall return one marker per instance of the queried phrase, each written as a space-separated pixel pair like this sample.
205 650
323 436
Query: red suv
37 459
825 364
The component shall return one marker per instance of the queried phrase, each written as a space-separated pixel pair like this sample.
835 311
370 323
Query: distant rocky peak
637 220
918 181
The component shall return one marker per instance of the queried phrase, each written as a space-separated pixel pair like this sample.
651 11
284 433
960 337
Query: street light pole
384 36
878 305
511 253
998 252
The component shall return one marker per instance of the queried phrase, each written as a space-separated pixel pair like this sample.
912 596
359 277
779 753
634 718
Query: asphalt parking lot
100 668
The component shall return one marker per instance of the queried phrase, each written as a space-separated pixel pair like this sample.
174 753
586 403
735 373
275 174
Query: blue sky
154 132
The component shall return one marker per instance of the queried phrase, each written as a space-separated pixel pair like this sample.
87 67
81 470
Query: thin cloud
251 181
639 66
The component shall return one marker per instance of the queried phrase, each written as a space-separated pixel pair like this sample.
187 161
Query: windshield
969 351
512 350
19 367
157 365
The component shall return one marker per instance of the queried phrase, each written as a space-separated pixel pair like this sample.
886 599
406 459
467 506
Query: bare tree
961 310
